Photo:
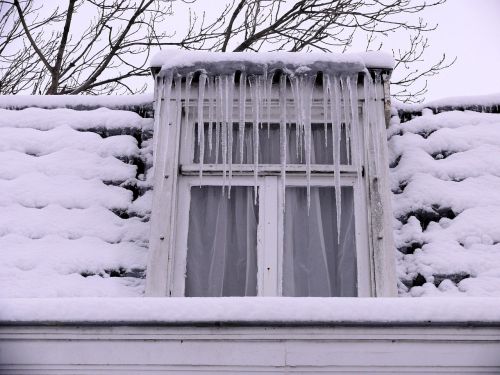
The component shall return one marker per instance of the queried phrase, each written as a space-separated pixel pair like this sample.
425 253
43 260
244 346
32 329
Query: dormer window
269 178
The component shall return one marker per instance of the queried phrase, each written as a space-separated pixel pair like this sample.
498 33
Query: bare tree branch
114 46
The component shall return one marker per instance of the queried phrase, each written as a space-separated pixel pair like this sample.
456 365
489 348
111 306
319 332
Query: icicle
178 97
224 126
218 116
189 80
242 107
254 91
282 98
201 121
211 103
296 105
307 93
263 93
325 108
335 108
347 114
352 87
229 113
269 91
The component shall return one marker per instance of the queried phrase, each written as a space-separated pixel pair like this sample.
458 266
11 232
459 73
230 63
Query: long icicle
269 95
336 134
325 107
229 109
189 80
352 87
295 106
254 91
211 103
224 127
307 93
283 137
346 105
242 107
218 116
201 121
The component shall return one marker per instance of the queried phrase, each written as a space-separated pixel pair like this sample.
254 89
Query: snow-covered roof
445 169
75 197
217 61
71 210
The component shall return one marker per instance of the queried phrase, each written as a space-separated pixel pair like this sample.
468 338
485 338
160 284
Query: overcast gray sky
470 30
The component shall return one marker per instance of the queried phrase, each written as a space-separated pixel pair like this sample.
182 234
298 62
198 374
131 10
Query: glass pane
317 263
222 243
269 145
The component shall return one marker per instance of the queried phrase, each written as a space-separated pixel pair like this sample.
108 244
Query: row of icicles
222 100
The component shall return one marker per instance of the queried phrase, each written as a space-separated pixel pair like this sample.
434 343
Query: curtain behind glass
315 263
269 146
222 243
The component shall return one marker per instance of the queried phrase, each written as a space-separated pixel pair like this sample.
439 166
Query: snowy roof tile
446 198
72 215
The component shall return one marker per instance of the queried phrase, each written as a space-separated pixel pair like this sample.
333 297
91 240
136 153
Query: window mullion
268 264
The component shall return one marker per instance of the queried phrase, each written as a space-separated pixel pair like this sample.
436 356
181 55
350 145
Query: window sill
254 311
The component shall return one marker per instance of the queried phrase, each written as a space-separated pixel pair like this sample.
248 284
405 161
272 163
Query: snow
46 119
62 101
168 59
255 309
62 138
446 184
82 164
479 101
69 224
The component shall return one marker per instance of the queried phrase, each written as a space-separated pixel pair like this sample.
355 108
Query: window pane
222 243
269 145
315 262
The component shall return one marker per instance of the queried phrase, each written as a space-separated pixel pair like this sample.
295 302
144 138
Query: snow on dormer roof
217 61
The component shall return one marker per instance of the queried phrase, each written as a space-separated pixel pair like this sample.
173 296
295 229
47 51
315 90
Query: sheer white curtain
315 262
222 236
222 243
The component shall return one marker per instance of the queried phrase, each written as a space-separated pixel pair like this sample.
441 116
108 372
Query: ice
283 125
242 111
230 99
255 86
201 120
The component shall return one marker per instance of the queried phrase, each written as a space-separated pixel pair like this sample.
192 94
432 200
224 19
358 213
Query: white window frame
175 173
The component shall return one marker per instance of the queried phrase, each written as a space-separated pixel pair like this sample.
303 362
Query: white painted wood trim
335 349
380 208
265 169
269 266
161 240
